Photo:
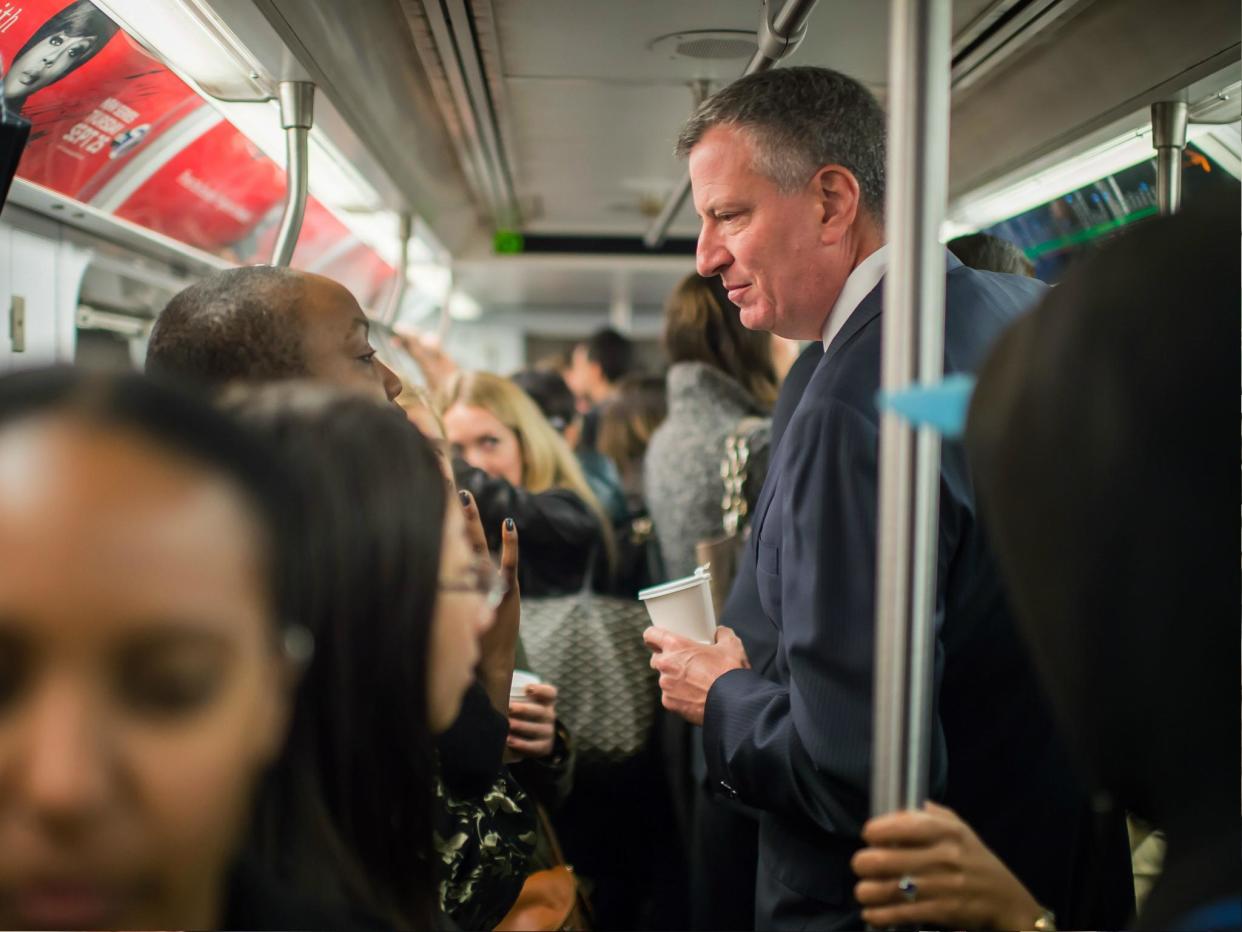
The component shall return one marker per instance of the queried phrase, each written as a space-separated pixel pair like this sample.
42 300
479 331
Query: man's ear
839 198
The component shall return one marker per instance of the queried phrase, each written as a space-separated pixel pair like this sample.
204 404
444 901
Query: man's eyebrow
360 322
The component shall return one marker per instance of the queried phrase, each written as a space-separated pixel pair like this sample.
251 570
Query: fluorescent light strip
202 52
989 206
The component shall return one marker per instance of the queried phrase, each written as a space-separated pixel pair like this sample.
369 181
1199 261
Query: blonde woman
516 465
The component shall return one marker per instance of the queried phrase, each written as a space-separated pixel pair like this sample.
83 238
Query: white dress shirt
860 283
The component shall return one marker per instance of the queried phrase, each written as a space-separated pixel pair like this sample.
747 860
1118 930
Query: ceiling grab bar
396 297
912 349
1168 136
778 36
297 114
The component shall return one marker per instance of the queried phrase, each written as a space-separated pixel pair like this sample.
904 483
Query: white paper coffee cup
683 606
522 679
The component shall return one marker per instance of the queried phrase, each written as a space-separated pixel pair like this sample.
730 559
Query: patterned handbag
591 648
721 553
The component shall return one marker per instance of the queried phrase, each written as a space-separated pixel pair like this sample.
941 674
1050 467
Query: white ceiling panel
570 282
596 102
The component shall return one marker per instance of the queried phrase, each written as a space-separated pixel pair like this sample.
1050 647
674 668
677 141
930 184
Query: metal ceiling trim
981 24
445 37
1028 23
487 37
43 202
429 37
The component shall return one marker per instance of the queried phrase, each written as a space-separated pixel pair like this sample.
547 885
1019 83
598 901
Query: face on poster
93 96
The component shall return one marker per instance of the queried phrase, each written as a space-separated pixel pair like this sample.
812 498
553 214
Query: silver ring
908 889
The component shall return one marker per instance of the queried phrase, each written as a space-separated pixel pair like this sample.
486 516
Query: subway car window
749 464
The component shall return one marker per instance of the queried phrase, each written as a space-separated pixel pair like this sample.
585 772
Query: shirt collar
862 282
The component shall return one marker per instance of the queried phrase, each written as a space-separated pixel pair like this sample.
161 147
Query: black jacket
558 533
1103 438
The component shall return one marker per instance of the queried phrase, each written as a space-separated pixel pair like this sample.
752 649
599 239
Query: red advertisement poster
327 247
93 96
215 194
97 101
364 273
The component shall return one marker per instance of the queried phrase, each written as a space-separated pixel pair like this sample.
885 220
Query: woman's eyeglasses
481 579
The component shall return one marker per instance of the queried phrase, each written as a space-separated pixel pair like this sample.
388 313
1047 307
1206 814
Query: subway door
40 277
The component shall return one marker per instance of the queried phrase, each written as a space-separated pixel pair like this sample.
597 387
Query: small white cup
684 606
522 679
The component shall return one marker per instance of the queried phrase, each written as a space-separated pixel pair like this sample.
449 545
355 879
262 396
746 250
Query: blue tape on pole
942 407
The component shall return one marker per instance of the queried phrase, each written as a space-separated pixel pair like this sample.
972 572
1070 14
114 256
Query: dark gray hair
801 119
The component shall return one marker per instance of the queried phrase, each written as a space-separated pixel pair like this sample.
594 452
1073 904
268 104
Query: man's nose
392 384
64 765
710 256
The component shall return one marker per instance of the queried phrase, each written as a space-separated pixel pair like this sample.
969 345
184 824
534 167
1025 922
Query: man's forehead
719 161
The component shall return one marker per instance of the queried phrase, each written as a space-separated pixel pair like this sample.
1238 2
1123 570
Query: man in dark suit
787 170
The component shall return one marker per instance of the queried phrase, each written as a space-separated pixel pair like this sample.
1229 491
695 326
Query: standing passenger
788 177
515 465
145 548
398 600
266 324
598 364
721 375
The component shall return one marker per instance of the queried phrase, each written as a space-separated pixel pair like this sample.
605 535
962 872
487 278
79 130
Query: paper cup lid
522 679
677 585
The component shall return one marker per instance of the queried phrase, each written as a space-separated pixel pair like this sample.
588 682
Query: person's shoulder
968 287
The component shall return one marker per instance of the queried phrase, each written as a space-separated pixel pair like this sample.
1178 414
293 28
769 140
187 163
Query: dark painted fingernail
509 525
465 498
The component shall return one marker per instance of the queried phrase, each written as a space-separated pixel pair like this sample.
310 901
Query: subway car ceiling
529 144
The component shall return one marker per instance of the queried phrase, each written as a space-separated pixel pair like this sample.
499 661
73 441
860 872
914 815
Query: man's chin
755 318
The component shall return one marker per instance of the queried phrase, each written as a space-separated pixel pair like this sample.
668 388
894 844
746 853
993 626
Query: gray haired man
787 169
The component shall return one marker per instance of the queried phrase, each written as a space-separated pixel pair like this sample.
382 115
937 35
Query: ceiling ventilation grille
706 44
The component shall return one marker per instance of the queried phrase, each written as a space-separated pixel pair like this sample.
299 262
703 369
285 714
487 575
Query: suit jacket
743 611
795 741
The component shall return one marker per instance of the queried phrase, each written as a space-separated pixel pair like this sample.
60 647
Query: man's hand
688 669
532 722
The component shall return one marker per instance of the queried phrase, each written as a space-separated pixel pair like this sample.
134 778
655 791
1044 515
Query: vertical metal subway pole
401 284
913 346
1168 135
297 109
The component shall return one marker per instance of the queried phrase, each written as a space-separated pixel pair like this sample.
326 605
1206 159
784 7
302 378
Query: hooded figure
1101 439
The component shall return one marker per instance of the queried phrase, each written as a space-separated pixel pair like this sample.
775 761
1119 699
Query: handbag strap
545 824
733 471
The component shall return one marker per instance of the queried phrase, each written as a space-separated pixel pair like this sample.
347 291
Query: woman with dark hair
148 654
59 47
721 382
627 422
720 374
397 599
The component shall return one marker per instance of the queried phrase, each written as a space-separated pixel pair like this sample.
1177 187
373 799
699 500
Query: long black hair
347 816
188 428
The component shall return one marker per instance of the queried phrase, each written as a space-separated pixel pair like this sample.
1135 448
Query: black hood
1103 437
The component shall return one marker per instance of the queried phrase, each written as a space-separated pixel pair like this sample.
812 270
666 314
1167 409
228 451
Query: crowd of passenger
287 643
